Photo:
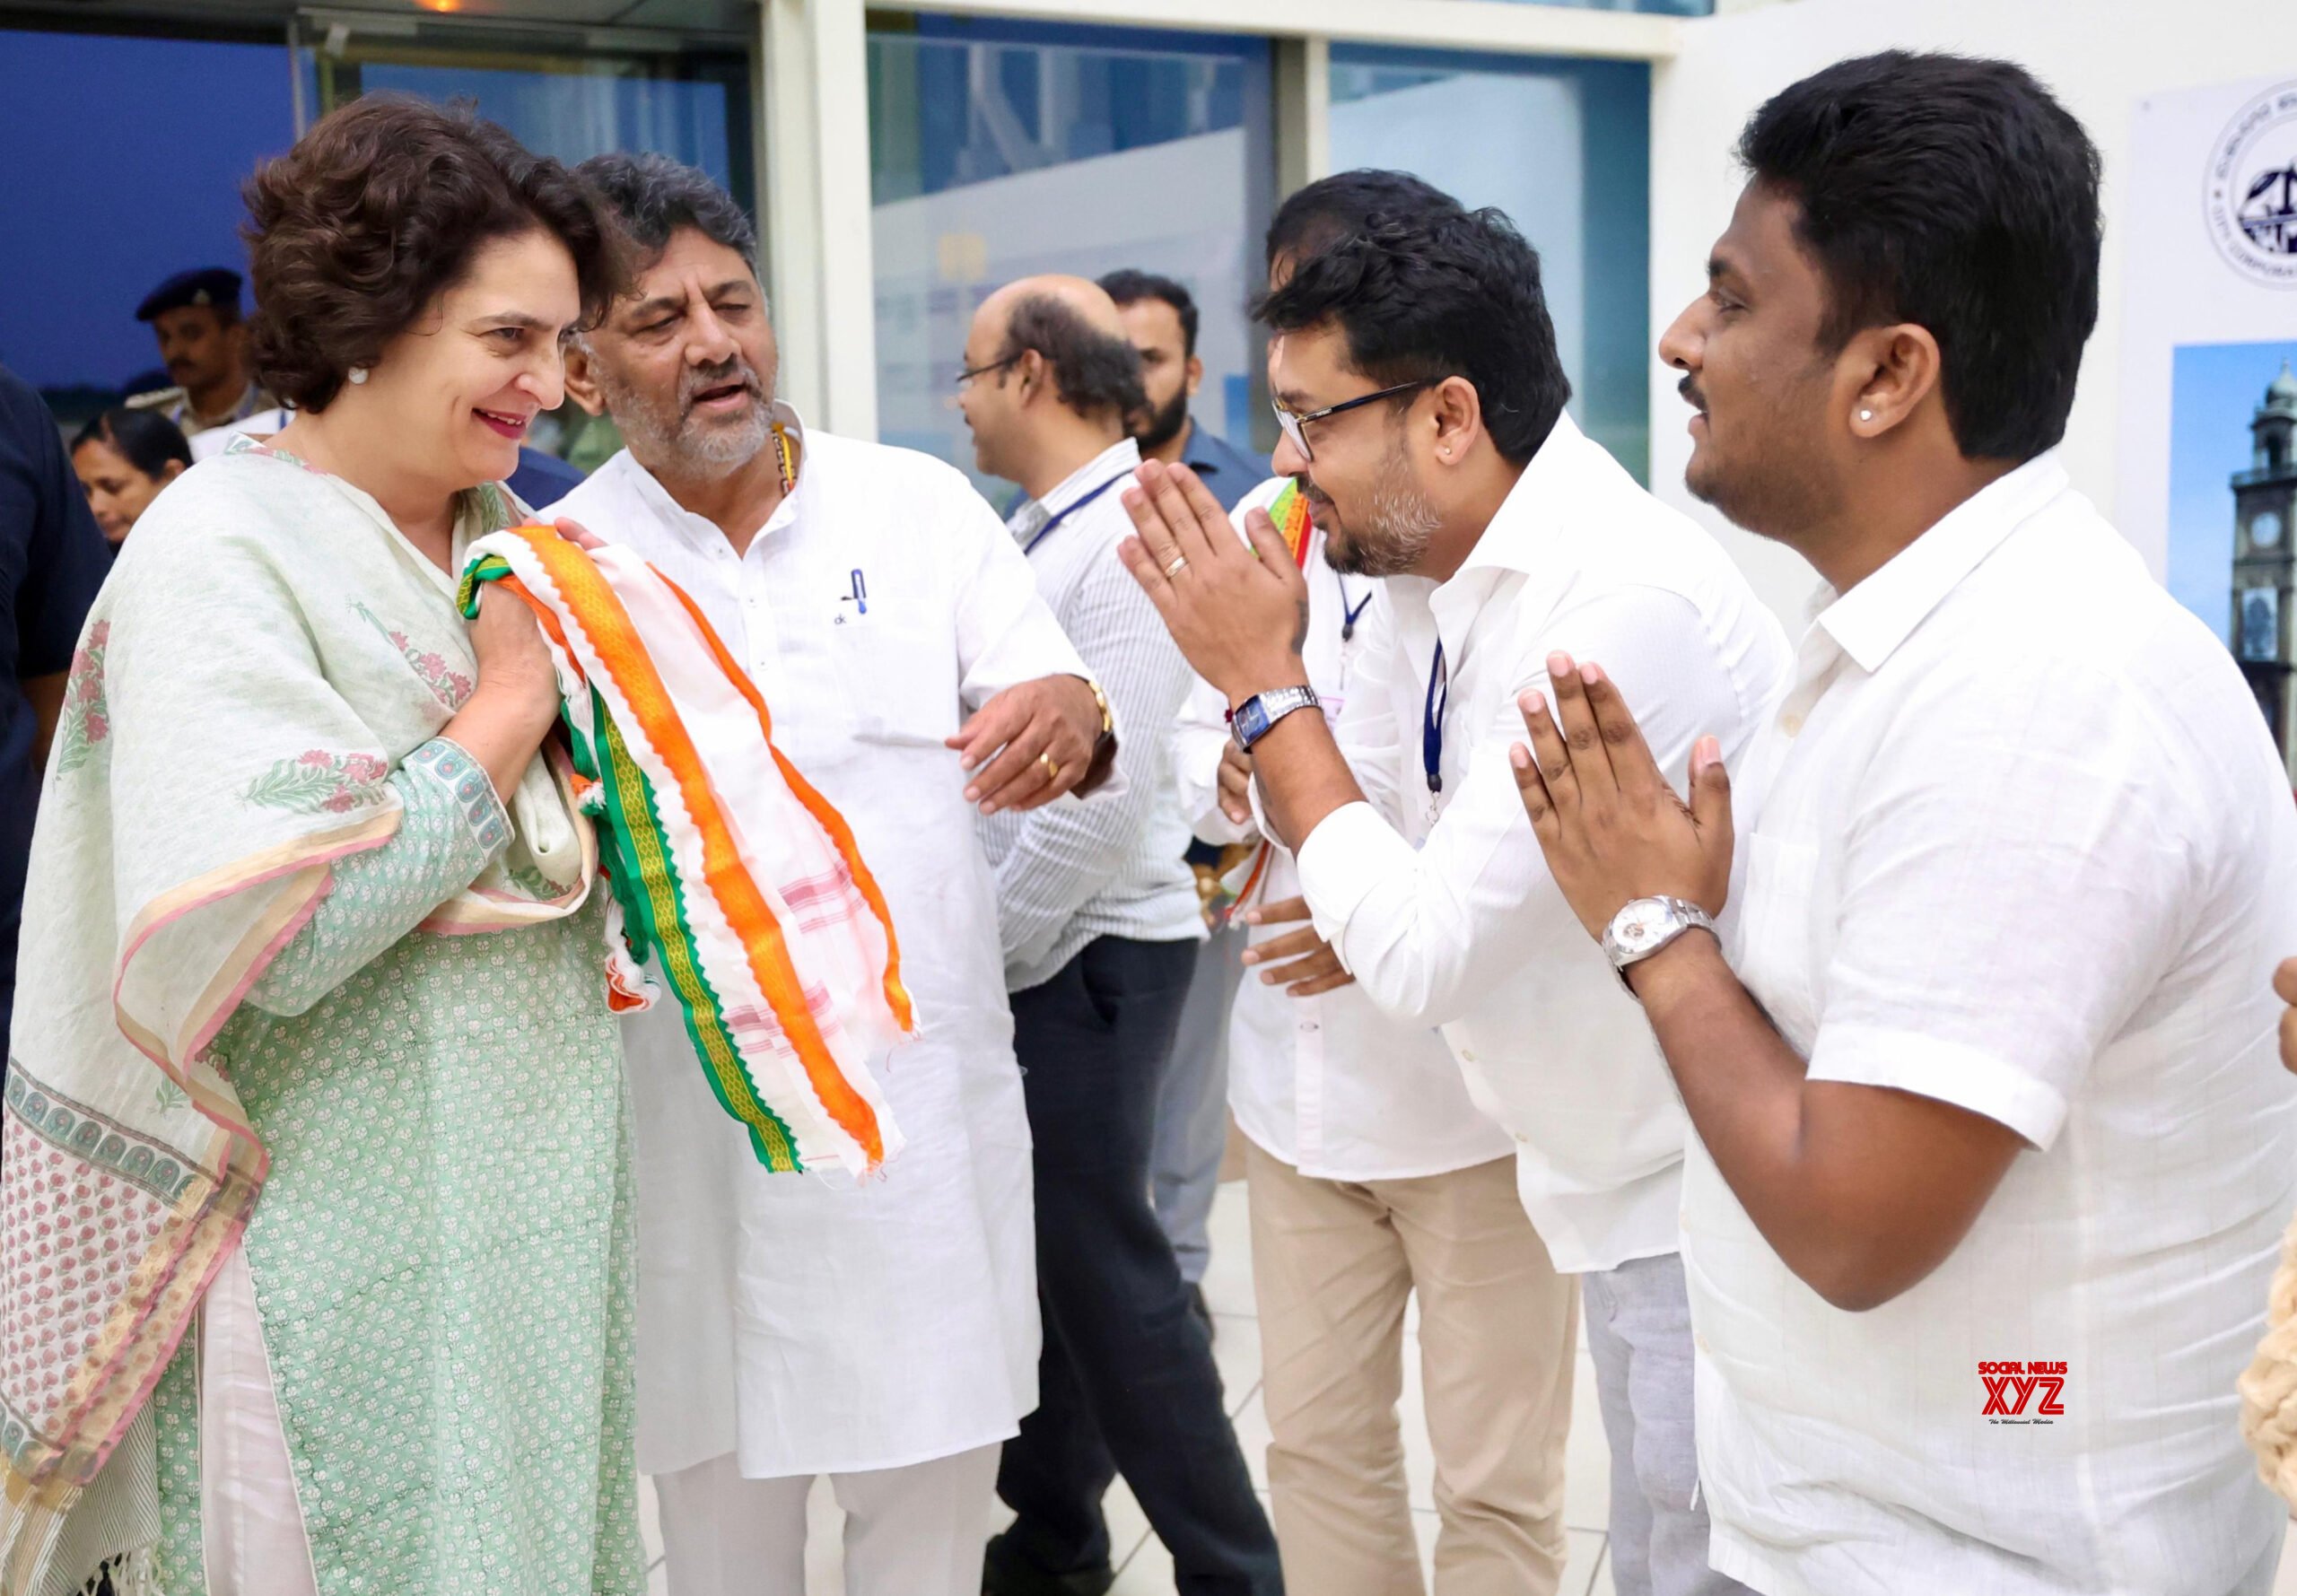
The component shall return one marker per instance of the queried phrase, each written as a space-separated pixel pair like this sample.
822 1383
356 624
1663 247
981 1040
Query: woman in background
315 1268
123 458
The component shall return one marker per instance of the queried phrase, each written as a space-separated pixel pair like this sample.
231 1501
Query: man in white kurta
789 1326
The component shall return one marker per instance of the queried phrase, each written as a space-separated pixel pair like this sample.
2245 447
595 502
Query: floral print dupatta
266 651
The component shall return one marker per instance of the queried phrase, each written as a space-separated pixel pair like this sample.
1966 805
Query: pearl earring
1865 416
357 375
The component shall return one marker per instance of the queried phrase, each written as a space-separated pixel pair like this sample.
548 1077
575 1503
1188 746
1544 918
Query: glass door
1564 147
999 149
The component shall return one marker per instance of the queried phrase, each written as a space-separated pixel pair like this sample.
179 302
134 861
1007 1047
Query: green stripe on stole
655 904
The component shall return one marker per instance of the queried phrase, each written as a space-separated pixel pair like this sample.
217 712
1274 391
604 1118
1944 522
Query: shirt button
1308 1027
1790 724
1468 1054
1522 1140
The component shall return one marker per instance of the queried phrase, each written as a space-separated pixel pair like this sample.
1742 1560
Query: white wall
2098 56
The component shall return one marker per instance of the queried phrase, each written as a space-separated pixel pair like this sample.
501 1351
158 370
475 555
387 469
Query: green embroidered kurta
442 1254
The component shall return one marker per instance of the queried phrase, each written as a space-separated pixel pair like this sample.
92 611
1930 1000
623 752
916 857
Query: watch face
1642 923
1251 720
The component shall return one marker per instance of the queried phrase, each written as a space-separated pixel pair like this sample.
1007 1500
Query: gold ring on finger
1179 564
1051 770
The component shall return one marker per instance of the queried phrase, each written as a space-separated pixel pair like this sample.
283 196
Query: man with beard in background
1160 318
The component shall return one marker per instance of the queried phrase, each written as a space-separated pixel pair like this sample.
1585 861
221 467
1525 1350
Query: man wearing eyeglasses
1100 926
1421 402
1373 1179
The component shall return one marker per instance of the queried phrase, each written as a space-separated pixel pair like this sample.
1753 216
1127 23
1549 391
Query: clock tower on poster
2265 564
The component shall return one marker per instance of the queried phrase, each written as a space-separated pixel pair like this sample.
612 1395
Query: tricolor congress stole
740 879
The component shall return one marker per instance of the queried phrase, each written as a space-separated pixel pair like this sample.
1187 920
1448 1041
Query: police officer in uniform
203 344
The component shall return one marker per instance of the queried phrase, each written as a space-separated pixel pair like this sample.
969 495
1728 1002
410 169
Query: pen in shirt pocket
861 593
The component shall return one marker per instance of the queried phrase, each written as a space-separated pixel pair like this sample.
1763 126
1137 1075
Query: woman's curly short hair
377 210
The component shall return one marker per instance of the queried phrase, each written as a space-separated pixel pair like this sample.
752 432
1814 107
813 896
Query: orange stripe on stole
616 641
840 833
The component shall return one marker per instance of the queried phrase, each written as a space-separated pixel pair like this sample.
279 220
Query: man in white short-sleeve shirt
1993 1148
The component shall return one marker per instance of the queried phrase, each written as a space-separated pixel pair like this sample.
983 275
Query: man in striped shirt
1100 926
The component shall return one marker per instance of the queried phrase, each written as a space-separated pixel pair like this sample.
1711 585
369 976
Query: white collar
1548 500
1553 481
700 529
1870 622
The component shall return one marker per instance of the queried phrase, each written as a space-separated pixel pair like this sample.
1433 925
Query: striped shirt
1110 867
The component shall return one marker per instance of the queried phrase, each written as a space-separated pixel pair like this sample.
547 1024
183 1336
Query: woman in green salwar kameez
315 1202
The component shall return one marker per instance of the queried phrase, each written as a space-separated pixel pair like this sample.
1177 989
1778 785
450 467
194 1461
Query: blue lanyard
1046 531
1431 727
1349 611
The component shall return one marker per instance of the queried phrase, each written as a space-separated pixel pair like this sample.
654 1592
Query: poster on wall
2209 369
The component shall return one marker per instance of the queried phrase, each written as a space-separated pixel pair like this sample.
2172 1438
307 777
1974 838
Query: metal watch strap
1686 916
1257 716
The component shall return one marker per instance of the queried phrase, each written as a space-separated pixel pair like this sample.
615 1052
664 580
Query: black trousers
1127 1381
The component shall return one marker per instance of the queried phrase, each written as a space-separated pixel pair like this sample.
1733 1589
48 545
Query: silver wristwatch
1647 925
1250 720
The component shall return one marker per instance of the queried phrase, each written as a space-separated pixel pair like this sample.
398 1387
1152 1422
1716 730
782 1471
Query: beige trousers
1334 1263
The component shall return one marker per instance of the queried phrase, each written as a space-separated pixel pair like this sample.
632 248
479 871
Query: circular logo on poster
2251 188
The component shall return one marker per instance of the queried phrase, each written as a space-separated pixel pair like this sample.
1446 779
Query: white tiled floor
1144 1568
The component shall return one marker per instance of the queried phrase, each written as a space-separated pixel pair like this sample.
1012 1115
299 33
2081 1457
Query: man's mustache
693 388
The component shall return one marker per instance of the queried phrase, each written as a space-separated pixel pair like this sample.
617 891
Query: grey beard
728 449
657 432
